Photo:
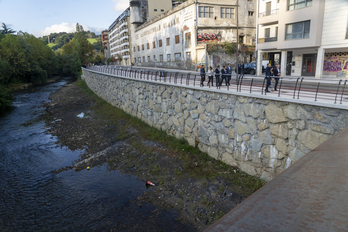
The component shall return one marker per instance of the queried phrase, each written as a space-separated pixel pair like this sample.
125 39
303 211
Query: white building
178 37
120 39
298 34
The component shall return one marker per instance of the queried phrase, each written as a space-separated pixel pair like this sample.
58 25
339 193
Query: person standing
242 69
239 69
276 73
210 76
229 73
223 75
202 75
217 76
268 73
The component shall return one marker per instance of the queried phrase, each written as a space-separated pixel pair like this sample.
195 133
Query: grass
207 167
92 40
51 45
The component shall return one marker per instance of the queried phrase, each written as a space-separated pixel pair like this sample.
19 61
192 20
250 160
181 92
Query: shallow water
34 198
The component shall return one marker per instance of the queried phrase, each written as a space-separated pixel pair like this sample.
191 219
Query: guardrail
288 88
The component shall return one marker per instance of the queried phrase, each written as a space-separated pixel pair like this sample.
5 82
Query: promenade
311 195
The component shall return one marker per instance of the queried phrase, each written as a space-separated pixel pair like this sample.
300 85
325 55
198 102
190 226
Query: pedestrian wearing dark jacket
229 73
268 73
217 76
223 75
276 74
202 75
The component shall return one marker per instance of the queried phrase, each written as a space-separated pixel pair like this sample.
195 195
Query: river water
34 198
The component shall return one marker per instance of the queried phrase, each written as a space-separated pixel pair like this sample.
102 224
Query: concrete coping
241 94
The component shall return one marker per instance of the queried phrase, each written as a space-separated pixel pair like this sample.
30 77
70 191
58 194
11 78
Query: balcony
269 39
267 13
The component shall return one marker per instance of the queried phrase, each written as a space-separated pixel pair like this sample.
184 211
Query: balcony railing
269 39
269 12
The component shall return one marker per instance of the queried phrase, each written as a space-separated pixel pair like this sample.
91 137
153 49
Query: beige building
179 36
120 39
299 34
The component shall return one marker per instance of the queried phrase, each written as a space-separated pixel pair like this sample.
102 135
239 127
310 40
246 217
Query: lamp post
237 40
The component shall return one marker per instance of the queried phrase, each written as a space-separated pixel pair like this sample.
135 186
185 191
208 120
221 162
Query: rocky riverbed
188 181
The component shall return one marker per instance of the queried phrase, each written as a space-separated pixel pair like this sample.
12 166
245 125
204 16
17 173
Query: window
205 12
154 58
148 59
161 58
297 30
188 55
160 43
177 39
144 59
139 59
168 41
188 37
138 48
227 13
133 49
153 44
148 46
177 56
250 13
296 4
142 46
168 57
162 10
267 32
155 9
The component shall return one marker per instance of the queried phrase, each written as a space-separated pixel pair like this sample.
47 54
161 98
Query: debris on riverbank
200 188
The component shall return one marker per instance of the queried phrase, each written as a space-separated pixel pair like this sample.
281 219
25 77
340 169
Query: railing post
345 82
194 80
188 78
263 85
280 86
240 85
338 87
251 84
176 78
299 89
316 93
182 75
296 87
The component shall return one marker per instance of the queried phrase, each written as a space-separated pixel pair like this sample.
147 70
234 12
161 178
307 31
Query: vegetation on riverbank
27 59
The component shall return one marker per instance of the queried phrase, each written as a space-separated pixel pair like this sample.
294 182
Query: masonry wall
261 137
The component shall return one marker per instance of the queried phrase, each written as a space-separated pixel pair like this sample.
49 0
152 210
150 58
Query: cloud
121 5
65 27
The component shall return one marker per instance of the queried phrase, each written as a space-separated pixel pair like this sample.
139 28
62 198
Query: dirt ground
200 188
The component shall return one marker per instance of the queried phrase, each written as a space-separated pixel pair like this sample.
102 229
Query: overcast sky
39 17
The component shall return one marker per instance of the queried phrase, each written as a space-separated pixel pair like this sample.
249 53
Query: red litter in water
150 183
196 164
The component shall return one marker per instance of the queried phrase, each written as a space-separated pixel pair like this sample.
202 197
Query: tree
6 30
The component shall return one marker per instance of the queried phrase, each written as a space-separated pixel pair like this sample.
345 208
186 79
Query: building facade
179 36
105 43
306 37
120 39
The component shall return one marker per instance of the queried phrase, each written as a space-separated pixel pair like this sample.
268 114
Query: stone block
213 152
202 117
248 168
177 107
228 159
265 137
311 139
223 139
255 145
231 133
279 130
194 114
226 122
201 109
213 139
281 145
242 128
321 129
238 112
252 124
274 114
318 116
341 122
262 124
227 113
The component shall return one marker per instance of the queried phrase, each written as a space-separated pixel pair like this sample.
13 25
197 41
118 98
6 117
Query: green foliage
6 30
5 98
229 48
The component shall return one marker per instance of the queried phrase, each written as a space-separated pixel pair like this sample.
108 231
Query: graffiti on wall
208 37
336 65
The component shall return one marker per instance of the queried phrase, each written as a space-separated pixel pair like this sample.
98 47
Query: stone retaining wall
261 137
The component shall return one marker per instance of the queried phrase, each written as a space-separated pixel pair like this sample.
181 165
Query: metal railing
287 87
269 12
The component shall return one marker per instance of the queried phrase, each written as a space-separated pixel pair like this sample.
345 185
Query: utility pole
237 40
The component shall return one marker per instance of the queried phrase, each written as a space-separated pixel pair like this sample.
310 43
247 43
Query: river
34 198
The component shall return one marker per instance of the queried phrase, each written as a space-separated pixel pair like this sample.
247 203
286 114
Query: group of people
225 73
272 71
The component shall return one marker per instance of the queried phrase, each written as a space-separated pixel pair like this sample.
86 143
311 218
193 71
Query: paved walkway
311 195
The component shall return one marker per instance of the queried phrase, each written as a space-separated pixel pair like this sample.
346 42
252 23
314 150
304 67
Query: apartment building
120 39
306 37
179 36
105 43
